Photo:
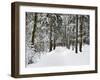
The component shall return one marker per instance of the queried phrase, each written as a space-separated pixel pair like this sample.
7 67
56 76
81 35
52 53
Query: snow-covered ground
62 56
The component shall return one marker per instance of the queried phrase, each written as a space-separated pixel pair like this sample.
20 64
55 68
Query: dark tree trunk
54 44
80 46
72 39
50 37
76 47
72 45
34 28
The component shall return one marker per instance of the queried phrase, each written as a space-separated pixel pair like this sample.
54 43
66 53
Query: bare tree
50 37
81 25
76 48
34 28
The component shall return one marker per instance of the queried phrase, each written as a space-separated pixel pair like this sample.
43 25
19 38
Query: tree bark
34 28
65 37
50 37
54 44
72 39
80 46
76 47
69 41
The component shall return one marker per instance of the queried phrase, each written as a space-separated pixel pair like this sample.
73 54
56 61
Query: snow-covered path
62 56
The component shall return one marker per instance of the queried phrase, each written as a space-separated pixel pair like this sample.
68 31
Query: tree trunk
50 37
65 37
34 28
68 38
80 46
72 45
54 44
73 39
76 47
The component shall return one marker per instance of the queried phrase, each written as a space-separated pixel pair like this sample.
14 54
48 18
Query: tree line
51 30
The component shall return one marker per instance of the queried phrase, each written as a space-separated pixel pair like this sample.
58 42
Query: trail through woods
49 37
62 56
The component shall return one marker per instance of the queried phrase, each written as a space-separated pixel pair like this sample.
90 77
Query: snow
62 56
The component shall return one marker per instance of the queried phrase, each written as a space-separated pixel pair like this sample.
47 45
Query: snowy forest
47 33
